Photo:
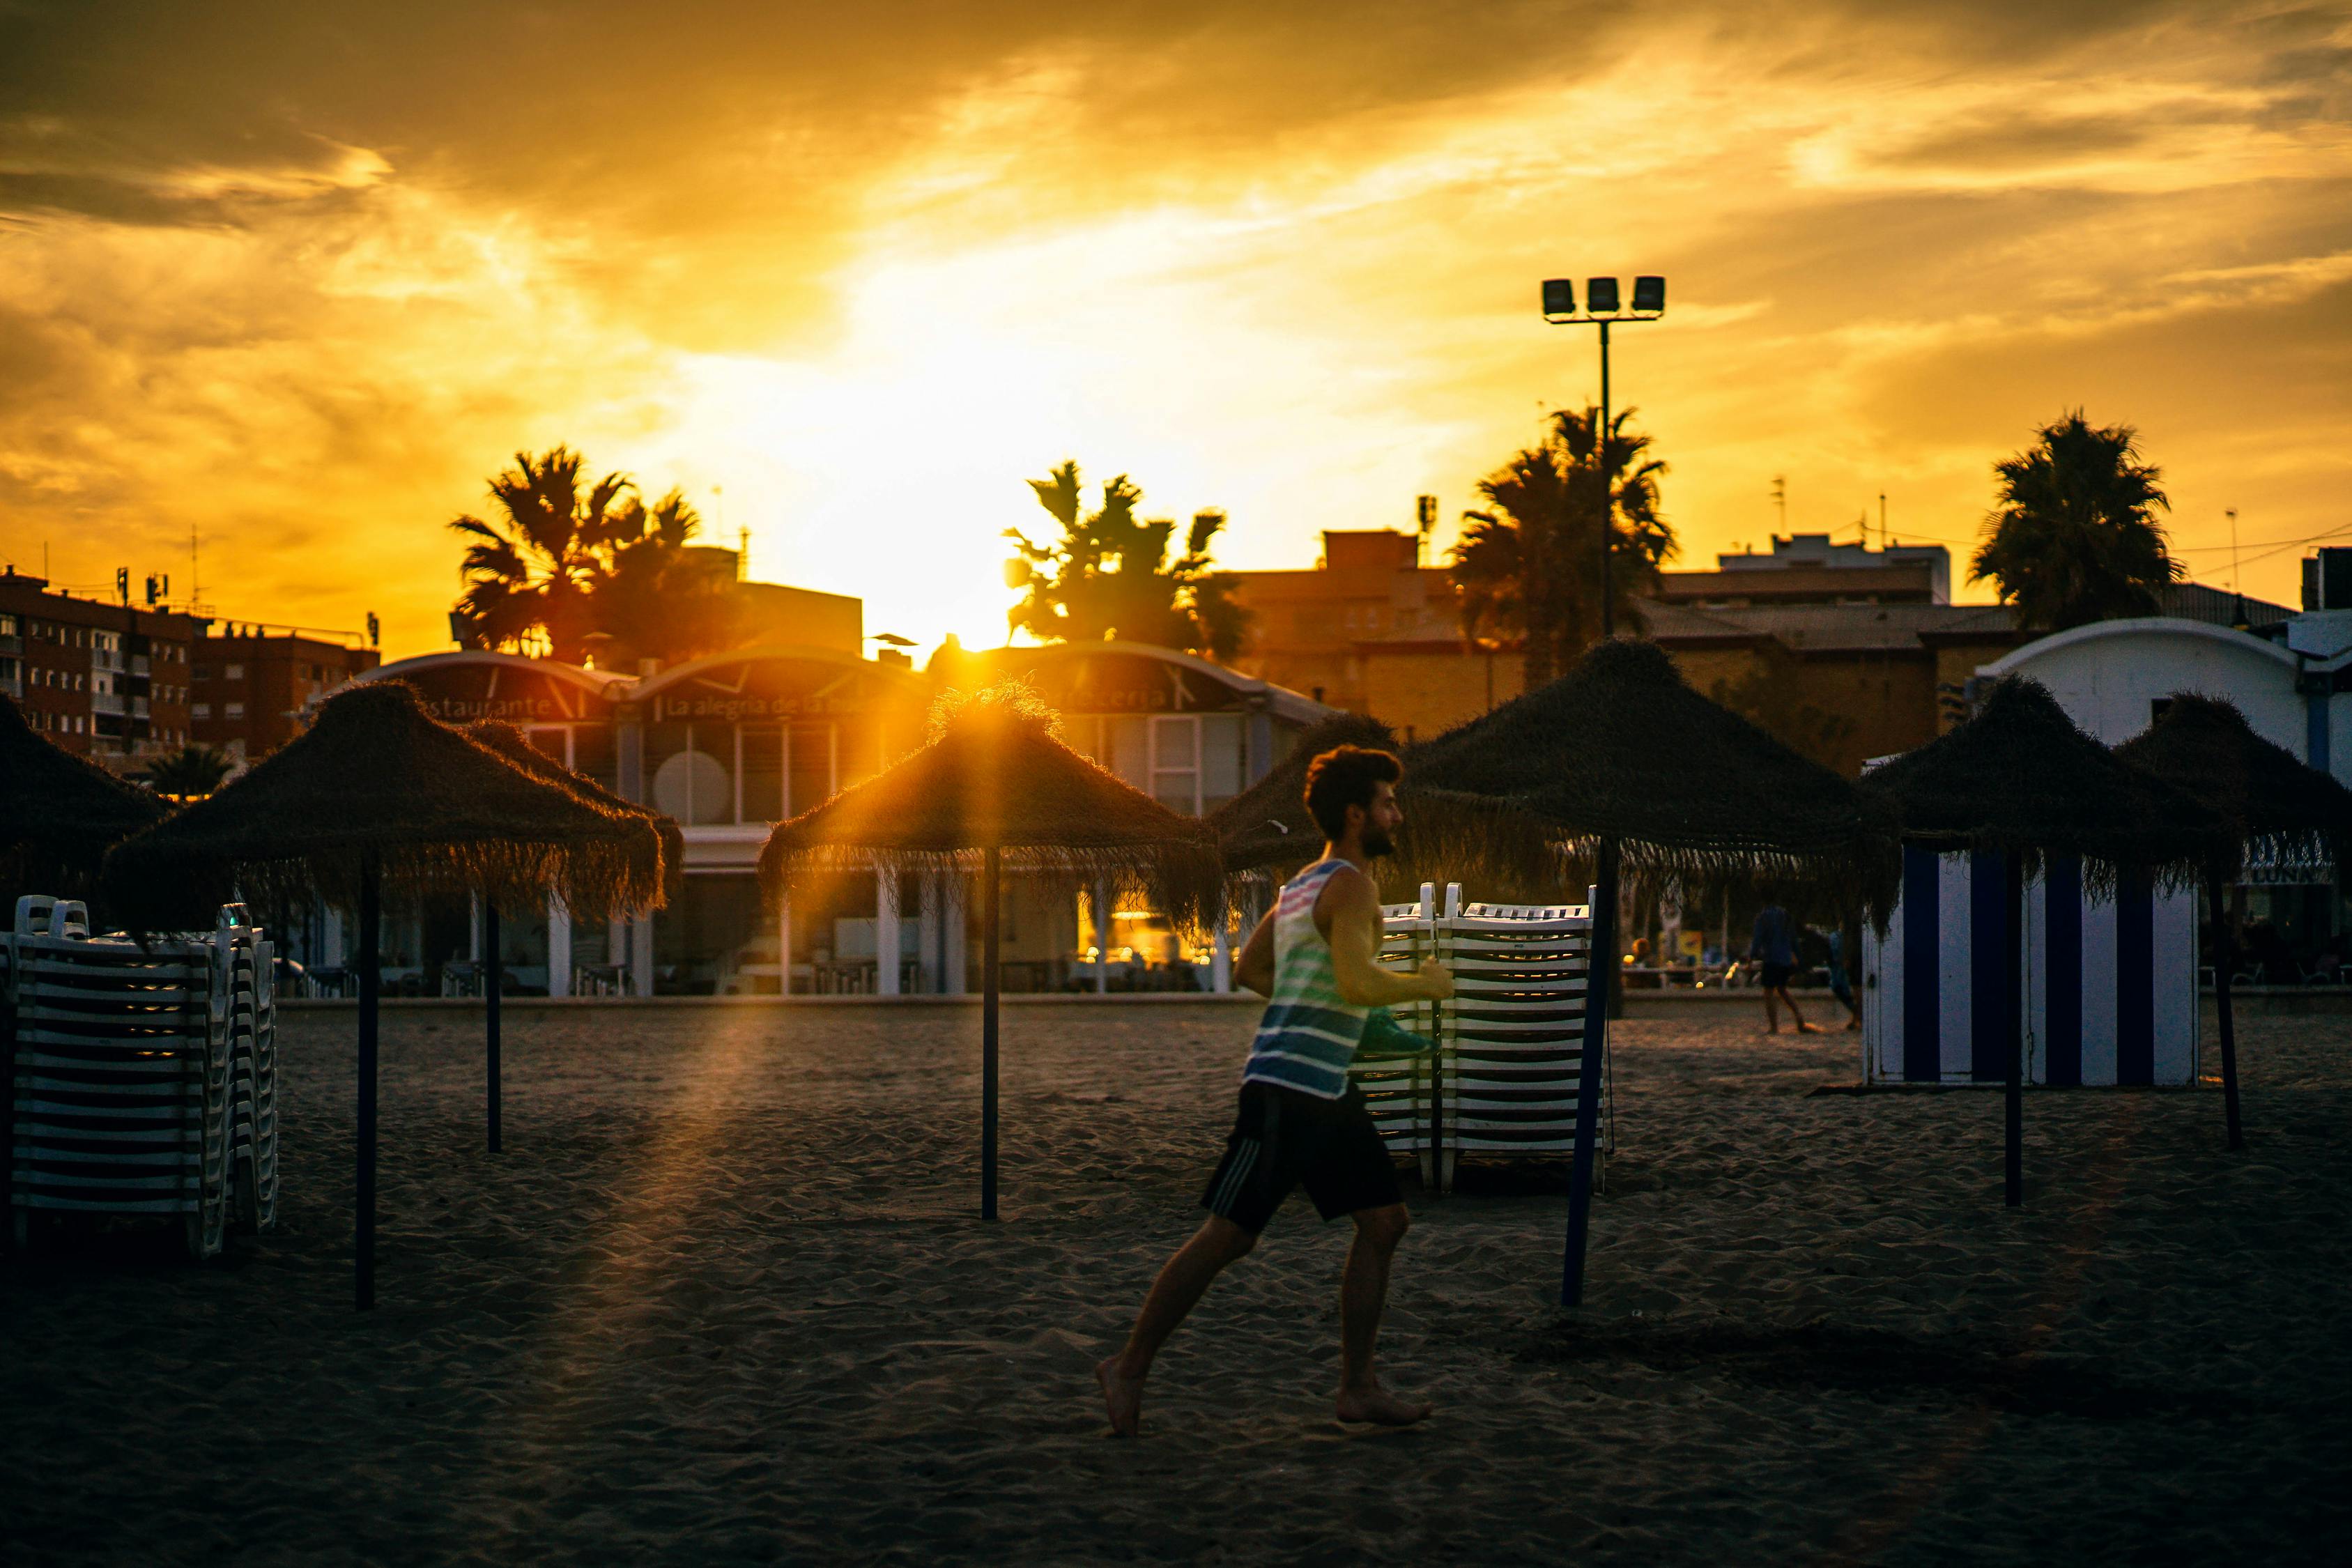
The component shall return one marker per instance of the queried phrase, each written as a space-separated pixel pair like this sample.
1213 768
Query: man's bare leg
1182 1281
1363 1291
1796 1016
1771 1012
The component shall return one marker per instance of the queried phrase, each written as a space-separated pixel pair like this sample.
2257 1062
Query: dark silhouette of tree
189 774
2074 538
1528 565
1108 576
561 565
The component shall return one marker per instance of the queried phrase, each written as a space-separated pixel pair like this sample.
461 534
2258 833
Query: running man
1301 1123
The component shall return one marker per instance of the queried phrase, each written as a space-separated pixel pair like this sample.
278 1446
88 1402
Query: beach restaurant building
732 743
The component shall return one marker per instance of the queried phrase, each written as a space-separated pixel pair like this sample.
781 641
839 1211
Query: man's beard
1377 843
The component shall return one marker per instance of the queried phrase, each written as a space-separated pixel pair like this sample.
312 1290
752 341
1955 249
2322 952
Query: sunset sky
302 277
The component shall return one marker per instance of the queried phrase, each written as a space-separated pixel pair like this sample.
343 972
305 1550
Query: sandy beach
724 1299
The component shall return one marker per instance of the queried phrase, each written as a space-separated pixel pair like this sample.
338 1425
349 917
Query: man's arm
1353 914
1255 968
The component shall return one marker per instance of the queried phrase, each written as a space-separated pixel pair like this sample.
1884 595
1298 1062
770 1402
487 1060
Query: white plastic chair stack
121 1072
253 1083
1512 1042
1400 1093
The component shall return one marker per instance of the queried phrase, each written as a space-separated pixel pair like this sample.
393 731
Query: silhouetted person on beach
1301 1121
1773 945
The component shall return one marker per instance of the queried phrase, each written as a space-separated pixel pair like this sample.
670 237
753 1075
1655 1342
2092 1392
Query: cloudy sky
300 277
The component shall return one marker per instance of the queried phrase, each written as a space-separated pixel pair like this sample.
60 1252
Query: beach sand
724 1299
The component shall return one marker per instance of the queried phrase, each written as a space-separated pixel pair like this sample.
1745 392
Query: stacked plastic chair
124 1072
1510 1043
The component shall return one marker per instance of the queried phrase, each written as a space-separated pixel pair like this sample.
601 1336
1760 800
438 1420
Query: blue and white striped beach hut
2110 984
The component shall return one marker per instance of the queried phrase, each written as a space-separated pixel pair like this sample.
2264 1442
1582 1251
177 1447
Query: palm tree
2076 539
190 773
653 596
529 577
1109 577
1530 564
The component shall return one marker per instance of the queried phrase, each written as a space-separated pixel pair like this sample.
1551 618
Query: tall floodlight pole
1602 310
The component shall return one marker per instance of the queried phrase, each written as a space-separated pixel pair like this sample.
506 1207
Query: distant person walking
1773 945
1841 983
1301 1121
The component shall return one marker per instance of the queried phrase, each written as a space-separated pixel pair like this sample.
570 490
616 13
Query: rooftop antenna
1781 499
1882 519
2231 513
1424 516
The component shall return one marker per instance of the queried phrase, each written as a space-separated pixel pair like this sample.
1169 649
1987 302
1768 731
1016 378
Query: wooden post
1599 961
364 1220
989 900
2012 996
490 988
2225 958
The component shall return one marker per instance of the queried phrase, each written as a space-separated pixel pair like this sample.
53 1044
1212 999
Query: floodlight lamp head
1650 295
1601 295
1558 297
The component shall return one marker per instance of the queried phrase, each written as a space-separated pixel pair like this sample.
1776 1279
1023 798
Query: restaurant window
552 742
689 783
1224 759
1176 763
760 772
809 766
594 755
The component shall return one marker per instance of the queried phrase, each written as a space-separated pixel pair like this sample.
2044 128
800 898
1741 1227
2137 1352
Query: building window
234 672
235 710
203 672
201 710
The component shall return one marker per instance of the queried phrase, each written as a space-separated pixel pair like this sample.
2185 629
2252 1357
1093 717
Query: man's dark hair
1345 777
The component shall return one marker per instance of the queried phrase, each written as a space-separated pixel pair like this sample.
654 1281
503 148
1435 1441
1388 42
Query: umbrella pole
2013 997
363 1224
490 989
2225 957
989 899
1600 964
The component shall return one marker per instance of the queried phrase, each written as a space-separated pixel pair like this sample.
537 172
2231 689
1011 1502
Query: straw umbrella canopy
1266 827
1620 758
996 780
376 792
511 744
1621 751
2019 779
2276 810
58 813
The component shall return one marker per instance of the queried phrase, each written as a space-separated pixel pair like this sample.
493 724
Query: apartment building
106 680
251 683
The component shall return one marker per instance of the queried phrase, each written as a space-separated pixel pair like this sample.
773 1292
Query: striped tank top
1308 1036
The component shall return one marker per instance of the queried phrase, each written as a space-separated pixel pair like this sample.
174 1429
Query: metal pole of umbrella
2013 999
2225 958
1600 962
491 986
989 900
364 1223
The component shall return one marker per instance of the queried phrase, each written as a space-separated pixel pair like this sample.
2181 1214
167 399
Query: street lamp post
1603 309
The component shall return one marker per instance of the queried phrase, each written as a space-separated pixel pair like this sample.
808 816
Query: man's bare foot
1808 1028
1379 1405
1123 1396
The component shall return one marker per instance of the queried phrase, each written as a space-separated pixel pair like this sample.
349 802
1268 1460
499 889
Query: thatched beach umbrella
1620 758
2020 780
1265 829
378 792
511 744
59 813
2276 809
994 781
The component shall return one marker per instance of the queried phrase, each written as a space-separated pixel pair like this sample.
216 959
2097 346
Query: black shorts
1283 1138
1777 975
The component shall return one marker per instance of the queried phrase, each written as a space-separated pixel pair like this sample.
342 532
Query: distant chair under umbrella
377 794
511 744
995 782
1620 758
2276 811
59 814
2020 781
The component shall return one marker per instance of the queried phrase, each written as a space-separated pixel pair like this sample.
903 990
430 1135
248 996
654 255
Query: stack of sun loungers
142 1076
1510 1044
